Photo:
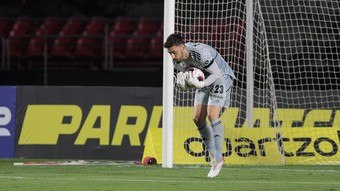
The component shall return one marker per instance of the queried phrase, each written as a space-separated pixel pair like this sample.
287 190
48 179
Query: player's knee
198 121
195 119
212 117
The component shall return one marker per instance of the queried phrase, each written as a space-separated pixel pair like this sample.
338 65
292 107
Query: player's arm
215 73
210 66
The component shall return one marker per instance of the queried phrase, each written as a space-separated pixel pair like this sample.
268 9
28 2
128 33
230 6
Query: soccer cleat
215 169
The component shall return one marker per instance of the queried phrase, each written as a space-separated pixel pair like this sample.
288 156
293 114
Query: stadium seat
88 48
160 30
36 45
5 25
74 21
161 26
89 45
137 48
147 26
124 25
160 33
95 27
63 46
155 51
73 26
17 41
117 42
49 26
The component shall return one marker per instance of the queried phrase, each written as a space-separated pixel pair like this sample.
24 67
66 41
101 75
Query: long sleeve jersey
207 59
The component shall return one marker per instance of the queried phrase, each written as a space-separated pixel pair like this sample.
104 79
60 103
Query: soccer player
212 94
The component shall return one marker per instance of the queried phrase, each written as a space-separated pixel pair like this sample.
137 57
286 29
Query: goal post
168 84
285 103
250 63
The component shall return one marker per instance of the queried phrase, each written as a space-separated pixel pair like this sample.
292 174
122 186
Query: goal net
294 95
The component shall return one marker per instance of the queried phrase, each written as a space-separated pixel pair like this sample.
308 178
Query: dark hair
173 40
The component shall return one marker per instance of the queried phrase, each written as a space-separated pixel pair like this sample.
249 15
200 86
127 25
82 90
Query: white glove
181 80
194 81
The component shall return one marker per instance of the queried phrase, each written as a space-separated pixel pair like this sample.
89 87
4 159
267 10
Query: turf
180 178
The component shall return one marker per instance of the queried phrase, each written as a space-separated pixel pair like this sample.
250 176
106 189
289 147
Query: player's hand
181 80
194 81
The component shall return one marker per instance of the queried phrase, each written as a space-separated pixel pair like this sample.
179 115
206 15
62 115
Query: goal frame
168 82
168 88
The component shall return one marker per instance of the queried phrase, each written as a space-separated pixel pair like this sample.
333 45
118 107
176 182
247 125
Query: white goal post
168 84
285 106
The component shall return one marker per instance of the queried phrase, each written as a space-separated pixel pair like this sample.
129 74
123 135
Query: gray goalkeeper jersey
202 56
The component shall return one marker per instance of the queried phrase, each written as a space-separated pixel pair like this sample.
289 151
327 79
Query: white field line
209 181
290 170
82 162
268 169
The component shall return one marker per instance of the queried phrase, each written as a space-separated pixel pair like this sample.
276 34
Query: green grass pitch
130 177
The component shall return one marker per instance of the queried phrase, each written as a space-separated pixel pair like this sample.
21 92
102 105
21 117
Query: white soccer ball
196 73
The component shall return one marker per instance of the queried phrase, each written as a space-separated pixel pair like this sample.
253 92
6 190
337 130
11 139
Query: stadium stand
124 25
155 52
90 44
16 38
36 44
117 42
5 25
122 41
136 47
146 26
64 44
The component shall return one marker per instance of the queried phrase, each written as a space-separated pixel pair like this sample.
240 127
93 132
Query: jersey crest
195 55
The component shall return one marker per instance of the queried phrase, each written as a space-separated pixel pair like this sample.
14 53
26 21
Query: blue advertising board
7 121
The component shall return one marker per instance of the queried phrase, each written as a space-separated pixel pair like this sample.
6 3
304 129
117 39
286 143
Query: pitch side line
170 181
295 170
268 169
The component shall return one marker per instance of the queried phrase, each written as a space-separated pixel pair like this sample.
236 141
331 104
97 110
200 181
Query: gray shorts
217 94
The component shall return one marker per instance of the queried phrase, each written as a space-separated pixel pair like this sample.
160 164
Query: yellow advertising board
304 137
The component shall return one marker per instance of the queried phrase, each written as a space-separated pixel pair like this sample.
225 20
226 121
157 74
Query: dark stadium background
86 62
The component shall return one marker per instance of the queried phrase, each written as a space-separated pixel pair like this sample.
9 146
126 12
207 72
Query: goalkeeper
212 94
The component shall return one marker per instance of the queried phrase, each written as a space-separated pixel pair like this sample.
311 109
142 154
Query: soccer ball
196 73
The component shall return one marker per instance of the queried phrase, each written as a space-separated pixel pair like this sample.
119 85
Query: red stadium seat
160 30
156 49
36 47
117 42
137 48
74 21
48 27
95 27
147 26
161 26
63 46
73 26
21 26
89 45
37 44
88 48
124 25
18 43
5 25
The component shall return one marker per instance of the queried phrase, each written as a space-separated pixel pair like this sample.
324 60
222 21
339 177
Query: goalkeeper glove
181 80
194 82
